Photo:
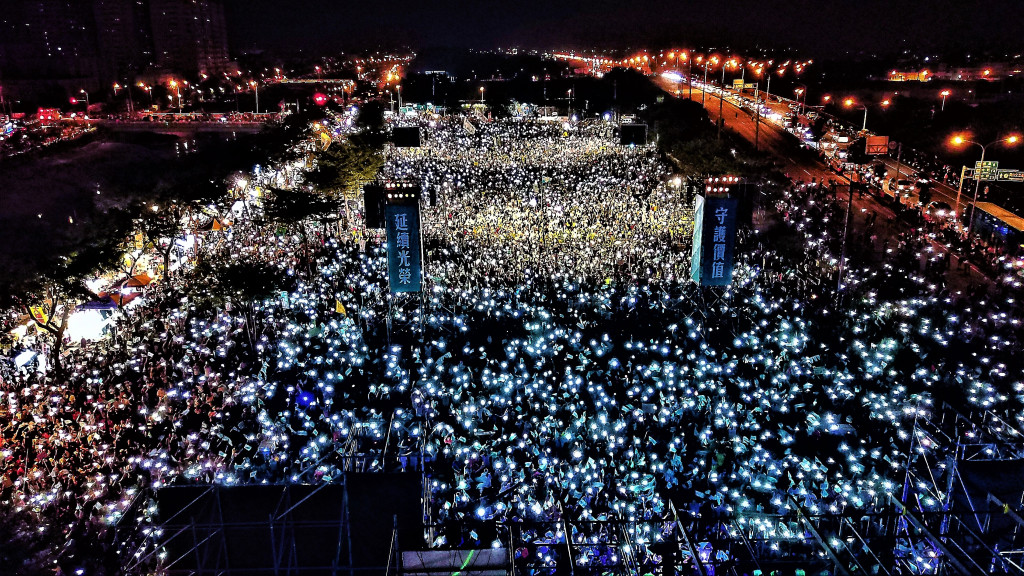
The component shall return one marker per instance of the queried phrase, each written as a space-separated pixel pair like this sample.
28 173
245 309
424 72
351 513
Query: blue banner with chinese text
404 254
714 238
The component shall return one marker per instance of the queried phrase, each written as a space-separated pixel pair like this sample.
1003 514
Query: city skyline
825 28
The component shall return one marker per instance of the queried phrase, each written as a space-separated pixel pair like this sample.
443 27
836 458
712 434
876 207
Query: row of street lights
172 84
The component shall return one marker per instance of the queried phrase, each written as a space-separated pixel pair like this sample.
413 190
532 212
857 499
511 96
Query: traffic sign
876 145
1011 175
988 170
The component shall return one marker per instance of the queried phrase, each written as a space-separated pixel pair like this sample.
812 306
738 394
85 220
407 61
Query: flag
39 314
339 307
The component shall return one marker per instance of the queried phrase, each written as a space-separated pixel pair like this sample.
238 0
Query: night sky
826 27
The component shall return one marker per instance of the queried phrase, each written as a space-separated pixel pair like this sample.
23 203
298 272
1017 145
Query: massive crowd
559 365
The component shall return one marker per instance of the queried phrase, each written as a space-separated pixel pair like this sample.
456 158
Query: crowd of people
525 196
559 369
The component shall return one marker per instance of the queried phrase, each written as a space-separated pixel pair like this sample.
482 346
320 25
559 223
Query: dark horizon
872 26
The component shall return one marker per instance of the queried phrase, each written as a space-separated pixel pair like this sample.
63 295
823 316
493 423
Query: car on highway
901 186
900 190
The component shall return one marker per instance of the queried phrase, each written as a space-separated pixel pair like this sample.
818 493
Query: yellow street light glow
1013 139
848 102
958 140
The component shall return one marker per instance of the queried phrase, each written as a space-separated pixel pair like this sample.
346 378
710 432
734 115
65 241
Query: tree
707 157
371 117
857 152
278 143
243 285
343 168
160 226
296 206
52 297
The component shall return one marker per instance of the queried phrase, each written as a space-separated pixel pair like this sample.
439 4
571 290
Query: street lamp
801 92
944 93
255 85
704 88
850 103
398 88
148 90
131 104
177 90
481 95
721 96
959 140
689 73
86 99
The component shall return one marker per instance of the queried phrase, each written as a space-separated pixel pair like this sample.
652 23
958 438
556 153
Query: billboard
714 238
876 145
405 256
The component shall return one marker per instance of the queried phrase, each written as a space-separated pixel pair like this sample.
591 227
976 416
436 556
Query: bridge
185 127
342 81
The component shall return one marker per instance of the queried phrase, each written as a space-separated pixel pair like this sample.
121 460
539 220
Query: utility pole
704 88
899 155
689 75
974 202
721 97
757 117
846 230
959 190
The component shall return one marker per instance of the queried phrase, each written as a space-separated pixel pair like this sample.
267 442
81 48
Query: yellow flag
339 307
39 314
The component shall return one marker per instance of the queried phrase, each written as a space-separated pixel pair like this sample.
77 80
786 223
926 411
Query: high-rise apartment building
51 48
51 39
190 36
123 37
